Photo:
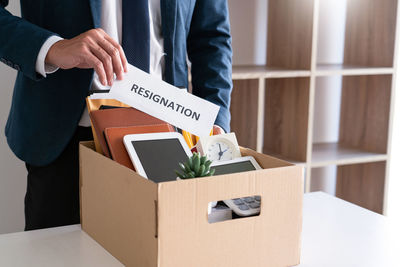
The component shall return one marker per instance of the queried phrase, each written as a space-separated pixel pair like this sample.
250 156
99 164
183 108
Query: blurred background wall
12 170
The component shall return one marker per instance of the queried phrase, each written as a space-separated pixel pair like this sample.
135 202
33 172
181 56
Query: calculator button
237 201
258 198
249 199
254 205
243 207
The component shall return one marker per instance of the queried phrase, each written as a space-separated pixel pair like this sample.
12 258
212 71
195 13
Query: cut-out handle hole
236 208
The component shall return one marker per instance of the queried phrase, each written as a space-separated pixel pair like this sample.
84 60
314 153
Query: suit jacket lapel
168 20
95 6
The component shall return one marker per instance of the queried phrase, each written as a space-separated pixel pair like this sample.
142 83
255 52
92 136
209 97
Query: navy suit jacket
46 111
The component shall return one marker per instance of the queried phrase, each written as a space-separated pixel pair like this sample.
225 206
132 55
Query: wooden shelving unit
325 154
266 72
348 70
273 105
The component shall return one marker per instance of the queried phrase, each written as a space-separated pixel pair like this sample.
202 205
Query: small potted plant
196 166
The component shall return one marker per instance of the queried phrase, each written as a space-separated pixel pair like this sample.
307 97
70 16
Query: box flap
118 208
265 161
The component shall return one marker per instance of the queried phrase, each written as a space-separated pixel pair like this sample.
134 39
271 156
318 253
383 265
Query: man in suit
62 49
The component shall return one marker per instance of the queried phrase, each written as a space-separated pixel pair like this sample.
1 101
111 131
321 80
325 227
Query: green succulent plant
195 166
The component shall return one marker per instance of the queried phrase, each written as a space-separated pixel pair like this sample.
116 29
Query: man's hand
92 49
217 130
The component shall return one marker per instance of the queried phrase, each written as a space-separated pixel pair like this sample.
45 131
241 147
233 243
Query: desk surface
335 233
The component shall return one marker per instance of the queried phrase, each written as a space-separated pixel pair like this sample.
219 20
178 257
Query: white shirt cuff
41 67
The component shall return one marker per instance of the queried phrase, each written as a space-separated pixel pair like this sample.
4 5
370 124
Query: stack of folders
112 124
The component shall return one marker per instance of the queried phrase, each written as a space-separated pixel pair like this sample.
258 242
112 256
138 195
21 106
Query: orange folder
115 135
95 104
119 117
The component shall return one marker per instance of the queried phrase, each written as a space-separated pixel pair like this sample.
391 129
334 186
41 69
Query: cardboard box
143 224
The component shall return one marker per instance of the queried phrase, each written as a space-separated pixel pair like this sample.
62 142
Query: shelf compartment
324 179
364 114
349 70
370 33
362 184
289 41
264 72
244 112
248 22
325 154
286 117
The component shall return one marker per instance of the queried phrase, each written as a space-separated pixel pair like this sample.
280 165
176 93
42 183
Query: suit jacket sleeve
20 42
209 50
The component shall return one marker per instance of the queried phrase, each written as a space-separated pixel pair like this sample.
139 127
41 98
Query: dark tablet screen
160 158
243 166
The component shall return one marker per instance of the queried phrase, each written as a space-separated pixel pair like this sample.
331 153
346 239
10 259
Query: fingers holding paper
92 49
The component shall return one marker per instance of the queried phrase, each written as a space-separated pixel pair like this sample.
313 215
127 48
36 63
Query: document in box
166 102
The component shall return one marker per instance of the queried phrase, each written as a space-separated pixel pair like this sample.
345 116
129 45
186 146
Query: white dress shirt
111 23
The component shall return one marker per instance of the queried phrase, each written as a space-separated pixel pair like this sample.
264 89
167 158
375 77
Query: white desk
335 233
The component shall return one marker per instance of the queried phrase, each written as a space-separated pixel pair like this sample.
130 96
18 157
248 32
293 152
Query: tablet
242 164
156 156
115 136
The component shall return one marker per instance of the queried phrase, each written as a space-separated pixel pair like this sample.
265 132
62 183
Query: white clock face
220 150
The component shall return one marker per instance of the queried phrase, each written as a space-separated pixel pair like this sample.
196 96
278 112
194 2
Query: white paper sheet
166 102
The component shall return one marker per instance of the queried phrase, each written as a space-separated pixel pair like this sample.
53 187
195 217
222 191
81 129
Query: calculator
245 206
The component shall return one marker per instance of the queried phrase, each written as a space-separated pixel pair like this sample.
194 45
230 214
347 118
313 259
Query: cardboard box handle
230 209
